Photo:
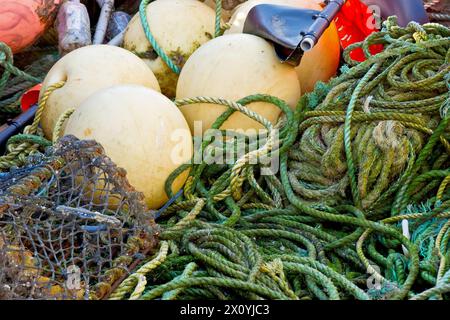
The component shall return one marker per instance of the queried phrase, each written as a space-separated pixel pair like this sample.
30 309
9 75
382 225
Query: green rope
30 138
217 24
375 133
357 158
143 15
7 62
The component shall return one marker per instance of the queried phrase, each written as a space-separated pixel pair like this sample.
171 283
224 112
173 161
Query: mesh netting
71 226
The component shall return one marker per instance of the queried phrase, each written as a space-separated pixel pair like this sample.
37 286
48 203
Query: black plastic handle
15 126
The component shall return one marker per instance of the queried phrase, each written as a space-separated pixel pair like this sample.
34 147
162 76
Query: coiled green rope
13 82
7 63
358 157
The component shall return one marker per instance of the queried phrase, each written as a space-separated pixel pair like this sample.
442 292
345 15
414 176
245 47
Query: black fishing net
71 226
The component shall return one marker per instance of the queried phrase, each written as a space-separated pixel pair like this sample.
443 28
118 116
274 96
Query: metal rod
320 25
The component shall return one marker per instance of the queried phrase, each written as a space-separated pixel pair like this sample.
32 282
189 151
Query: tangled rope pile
343 198
14 82
375 120
359 208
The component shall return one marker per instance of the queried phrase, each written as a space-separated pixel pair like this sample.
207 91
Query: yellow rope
137 280
140 287
413 216
442 187
17 153
275 270
188 192
191 215
59 124
442 262
370 269
237 174
42 103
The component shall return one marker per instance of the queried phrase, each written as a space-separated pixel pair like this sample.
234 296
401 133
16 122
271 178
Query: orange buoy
22 22
319 64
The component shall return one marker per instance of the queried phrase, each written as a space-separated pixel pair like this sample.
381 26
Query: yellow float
142 131
233 67
179 27
87 70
